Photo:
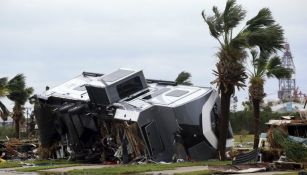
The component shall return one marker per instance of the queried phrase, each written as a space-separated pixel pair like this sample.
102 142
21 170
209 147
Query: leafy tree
247 105
19 93
264 66
260 31
184 78
244 120
4 113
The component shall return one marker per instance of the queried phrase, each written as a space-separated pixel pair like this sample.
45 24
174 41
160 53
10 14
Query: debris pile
282 134
283 147
19 150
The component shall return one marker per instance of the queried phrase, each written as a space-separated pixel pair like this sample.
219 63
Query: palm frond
18 91
258 63
275 69
3 82
3 87
4 91
4 112
254 54
218 19
264 32
29 91
214 23
17 82
184 78
268 39
273 62
233 15
240 41
262 19
262 61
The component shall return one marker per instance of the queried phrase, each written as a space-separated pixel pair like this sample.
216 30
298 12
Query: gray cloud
52 41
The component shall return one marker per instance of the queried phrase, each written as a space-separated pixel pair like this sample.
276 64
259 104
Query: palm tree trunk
17 126
17 115
224 121
256 106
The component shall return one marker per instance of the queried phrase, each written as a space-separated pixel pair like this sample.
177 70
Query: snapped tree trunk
256 106
224 121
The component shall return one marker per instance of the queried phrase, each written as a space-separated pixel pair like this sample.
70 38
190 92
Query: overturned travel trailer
121 116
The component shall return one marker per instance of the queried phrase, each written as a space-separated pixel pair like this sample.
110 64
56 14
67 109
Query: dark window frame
129 87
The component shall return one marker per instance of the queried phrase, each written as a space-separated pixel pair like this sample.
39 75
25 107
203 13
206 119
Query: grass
47 164
246 138
50 162
290 173
10 164
38 168
129 169
121 169
125 169
6 131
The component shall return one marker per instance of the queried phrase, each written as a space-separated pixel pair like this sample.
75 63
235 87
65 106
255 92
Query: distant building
284 107
9 122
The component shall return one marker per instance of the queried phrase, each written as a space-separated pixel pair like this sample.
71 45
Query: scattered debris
17 149
242 168
246 157
282 165
289 132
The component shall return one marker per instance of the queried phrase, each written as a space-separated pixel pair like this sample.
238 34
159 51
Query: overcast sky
51 41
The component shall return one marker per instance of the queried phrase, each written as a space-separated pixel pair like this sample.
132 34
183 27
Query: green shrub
244 120
6 131
293 150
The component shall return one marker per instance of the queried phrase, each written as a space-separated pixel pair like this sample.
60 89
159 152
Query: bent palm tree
184 78
263 66
261 32
19 93
4 112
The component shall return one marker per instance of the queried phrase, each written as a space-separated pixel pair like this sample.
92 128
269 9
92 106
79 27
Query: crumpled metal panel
119 117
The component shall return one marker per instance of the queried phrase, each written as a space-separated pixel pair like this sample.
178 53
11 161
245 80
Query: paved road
180 170
267 173
66 169
10 171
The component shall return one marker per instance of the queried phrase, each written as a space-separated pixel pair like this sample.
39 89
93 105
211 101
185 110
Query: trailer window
129 87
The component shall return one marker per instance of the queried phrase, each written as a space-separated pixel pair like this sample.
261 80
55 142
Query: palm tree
259 32
184 78
263 66
19 93
4 112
